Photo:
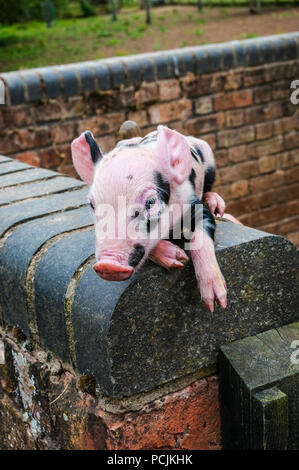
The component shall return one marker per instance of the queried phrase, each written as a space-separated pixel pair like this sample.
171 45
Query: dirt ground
220 24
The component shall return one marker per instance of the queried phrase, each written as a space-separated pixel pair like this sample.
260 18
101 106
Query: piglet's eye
150 202
91 205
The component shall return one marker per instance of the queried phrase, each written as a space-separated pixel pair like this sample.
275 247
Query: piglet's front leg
210 281
168 255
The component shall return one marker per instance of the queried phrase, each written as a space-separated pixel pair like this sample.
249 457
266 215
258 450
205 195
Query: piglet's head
132 190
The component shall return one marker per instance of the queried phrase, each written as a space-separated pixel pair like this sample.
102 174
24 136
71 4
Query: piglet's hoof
213 289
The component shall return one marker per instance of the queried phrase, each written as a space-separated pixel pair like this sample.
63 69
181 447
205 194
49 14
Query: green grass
198 32
248 36
32 44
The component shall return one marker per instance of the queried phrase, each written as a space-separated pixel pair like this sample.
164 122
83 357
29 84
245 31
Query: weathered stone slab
53 274
154 327
12 166
4 159
17 253
34 174
16 213
135 335
39 188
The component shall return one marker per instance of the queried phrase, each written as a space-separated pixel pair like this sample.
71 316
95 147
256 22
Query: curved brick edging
74 79
132 336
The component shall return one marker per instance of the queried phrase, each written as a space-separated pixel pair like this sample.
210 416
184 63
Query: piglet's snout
112 270
113 267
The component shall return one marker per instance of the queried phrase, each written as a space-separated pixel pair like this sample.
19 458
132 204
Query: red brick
239 188
202 124
264 130
53 157
223 190
253 76
239 171
235 99
210 138
221 158
290 123
123 98
29 157
264 182
243 206
234 118
140 117
2 121
285 160
277 127
262 94
246 219
282 227
229 138
272 71
32 138
291 140
281 211
267 164
292 175
68 170
287 193
51 111
237 154
18 117
8 144
103 124
169 89
204 105
280 90
81 106
263 113
265 147
107 143
158 425
202 85
172 111
148 93
233 80
63 132
272 197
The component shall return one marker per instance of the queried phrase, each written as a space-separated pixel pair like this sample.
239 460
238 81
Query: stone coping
100 75
136 335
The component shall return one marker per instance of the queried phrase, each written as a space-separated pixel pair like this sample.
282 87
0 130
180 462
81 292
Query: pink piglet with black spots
141 193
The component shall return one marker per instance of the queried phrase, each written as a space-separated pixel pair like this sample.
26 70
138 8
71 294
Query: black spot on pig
192 177
129 177
209 179
197 214
209 224
163 188
197 153
146 140
95 152
200 213
136 255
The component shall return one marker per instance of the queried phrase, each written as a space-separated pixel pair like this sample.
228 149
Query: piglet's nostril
136 255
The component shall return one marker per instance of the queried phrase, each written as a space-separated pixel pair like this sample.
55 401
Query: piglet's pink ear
174 154
85 154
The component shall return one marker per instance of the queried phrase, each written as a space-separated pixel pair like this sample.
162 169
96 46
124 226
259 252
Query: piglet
142 192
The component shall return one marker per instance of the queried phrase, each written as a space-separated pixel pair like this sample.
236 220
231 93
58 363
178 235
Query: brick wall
235 95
